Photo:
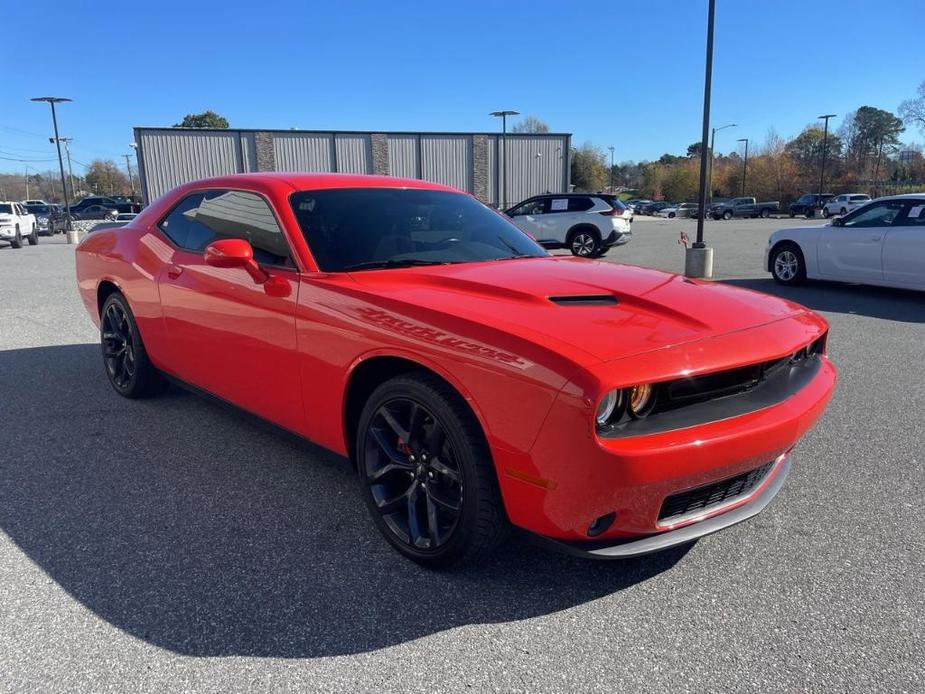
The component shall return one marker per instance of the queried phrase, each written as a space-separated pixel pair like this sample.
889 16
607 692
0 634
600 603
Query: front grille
711 495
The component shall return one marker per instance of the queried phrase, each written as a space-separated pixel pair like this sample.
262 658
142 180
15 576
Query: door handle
174 271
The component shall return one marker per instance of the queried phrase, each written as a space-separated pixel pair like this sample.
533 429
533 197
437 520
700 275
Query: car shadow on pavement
200 531
902 305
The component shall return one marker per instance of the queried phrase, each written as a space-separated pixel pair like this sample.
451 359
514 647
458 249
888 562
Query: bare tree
912 111
530 124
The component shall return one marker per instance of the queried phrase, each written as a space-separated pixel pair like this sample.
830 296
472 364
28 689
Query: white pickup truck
16 224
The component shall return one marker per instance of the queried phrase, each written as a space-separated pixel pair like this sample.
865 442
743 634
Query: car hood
594 310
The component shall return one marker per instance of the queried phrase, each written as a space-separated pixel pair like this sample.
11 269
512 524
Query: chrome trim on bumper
672 538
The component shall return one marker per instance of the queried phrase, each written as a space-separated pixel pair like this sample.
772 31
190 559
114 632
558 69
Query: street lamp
744 163
713 155
611 169
52 100
698 260
503 169
825 139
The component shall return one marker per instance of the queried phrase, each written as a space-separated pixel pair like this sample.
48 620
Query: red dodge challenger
474 381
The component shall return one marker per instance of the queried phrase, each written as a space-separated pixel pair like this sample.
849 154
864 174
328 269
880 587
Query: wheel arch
581 226
104 290
786 242
369 372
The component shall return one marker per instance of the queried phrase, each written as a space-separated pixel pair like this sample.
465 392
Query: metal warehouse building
537 163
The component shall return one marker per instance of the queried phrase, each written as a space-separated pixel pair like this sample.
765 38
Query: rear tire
765 213
427 473
671 215
787 264
34 236
125 360
844 211
727 215
584 243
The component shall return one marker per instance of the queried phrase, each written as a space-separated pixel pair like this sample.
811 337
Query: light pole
27 182
698 261
71 234
713 155
825 143
503 170
611 169
744 163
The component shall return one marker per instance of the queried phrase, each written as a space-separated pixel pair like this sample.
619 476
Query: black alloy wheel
128 368
413 474
427 473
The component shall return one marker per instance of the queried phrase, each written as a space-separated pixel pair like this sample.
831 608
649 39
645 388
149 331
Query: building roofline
342 132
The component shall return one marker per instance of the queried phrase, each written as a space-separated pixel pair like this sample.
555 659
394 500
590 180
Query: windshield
6 209
806 198
366 228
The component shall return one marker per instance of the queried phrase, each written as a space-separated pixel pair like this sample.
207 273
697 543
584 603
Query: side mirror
229 253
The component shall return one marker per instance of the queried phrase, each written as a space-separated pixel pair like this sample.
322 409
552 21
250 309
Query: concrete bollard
698 262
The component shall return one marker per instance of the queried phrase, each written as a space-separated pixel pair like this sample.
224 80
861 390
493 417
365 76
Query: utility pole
825 144
698 260
611 169
131 179
27 182
713 156
744 163
52 100
70 171
503 115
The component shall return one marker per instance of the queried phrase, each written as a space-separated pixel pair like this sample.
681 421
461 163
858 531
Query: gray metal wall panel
303 151
493 171
447 159
403 156
172 158
536 165
354 154
249 150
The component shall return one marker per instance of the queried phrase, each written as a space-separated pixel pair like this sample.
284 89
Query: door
226 333
852 251
904 248
528 216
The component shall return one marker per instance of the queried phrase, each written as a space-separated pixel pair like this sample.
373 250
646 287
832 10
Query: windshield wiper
393 263
517 256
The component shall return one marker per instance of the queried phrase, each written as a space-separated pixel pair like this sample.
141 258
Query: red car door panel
230 337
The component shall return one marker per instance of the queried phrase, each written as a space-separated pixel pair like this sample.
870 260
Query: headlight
641 400
606 409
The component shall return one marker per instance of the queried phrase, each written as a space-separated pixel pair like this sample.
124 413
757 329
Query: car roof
902 196
316 181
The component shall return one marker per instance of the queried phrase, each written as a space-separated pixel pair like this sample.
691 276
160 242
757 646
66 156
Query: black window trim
196 191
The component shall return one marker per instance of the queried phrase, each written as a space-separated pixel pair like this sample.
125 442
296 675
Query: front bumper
712 522
7 233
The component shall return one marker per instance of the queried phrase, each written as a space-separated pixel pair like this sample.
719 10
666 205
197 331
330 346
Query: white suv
588 224
16 223
845 203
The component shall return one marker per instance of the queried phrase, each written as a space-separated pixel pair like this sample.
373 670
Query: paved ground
174 545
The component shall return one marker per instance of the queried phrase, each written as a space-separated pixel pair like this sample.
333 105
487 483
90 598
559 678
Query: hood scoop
584 300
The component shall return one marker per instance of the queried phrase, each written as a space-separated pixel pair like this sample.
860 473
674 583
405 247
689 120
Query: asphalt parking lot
174 545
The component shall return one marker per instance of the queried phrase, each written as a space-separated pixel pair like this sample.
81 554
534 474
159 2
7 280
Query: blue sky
628 74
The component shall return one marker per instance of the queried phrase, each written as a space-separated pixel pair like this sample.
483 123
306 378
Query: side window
531 207
880 214
201 218
580 204
915 216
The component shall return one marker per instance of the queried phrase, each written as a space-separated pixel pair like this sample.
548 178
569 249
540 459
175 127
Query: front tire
584 243
17 239
427 474
33 238
787 265
826 213
727 215
125 360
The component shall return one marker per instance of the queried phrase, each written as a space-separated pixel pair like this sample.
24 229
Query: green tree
693 149
529 124
805 151
871 132
206 119
104 177
589 168
681 182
